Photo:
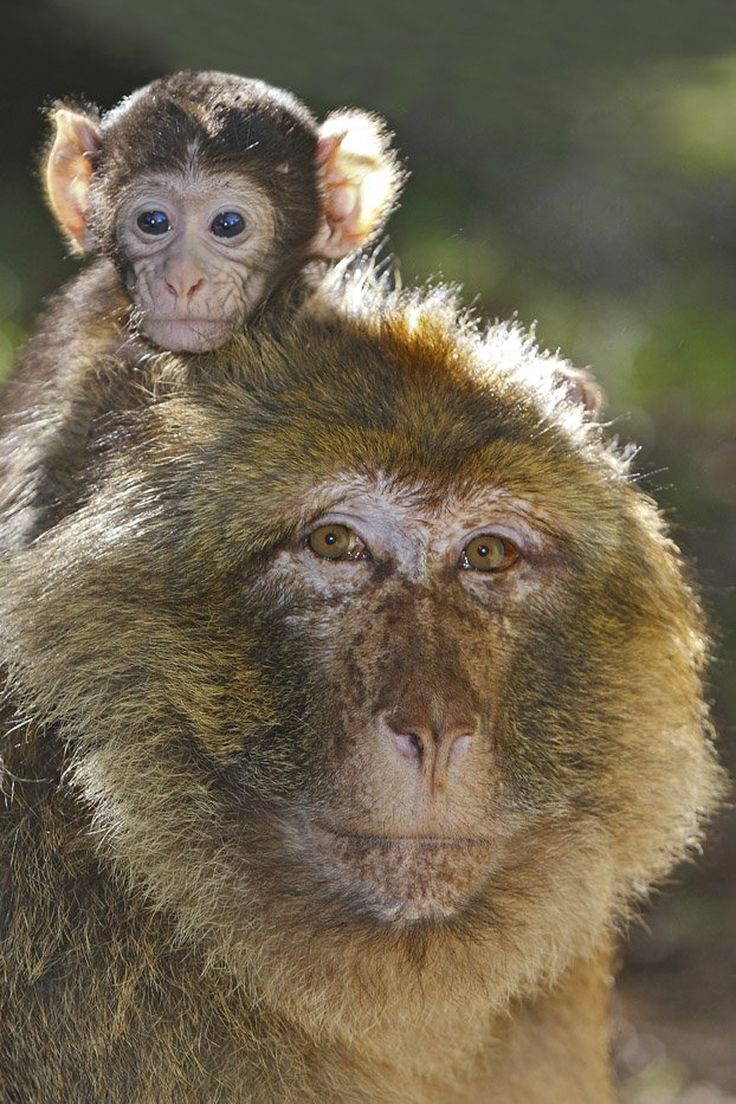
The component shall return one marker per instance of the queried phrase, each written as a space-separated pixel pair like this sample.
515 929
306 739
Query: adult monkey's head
375 667
209 190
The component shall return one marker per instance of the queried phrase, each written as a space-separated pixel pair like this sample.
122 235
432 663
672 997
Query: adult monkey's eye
227 225
330 541
153 222
489 552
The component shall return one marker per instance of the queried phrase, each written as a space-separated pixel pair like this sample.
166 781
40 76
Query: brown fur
183 705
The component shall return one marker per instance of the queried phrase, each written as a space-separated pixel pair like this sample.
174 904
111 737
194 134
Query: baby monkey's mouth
406 878
188 335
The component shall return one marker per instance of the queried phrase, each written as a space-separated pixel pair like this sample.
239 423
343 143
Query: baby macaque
204 193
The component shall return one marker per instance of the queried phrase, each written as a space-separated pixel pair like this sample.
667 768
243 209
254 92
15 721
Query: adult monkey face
402 586
208 191
403 643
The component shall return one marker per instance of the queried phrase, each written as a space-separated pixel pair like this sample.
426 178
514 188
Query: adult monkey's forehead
408 393
403 378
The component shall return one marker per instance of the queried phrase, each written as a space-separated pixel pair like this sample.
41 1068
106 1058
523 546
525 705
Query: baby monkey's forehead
194 182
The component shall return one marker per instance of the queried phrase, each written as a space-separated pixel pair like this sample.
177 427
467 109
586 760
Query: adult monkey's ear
70 160
581 388
360 179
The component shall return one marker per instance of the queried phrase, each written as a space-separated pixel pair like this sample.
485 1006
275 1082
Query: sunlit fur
175 701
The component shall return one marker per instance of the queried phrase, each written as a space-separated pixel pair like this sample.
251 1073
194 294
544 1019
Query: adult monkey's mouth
405 878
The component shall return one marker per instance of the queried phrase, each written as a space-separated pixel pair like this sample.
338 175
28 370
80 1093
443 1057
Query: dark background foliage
573 161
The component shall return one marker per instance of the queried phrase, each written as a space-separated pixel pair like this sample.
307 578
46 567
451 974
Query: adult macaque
203 193
351 701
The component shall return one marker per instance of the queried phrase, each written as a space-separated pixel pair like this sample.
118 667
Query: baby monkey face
198 255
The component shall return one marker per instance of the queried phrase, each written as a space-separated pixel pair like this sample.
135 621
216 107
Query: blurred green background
574 162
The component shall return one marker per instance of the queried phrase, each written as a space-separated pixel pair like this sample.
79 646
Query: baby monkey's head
209 191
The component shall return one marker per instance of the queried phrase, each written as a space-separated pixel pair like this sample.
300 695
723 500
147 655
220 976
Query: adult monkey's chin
403 879
188 335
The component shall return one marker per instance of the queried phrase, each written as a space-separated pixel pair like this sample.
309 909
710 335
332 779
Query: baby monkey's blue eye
154 222
228 225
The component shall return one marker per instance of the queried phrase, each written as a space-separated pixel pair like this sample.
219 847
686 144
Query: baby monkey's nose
183 279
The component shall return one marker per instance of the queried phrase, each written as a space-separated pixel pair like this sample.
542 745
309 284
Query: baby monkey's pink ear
70 161
360 178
